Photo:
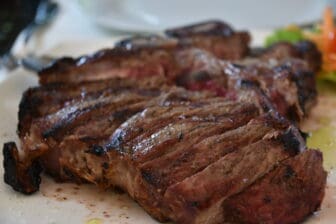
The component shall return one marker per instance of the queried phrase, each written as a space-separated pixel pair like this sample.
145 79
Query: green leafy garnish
289 34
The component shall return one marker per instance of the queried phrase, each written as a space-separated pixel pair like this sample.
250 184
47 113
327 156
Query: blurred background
151 15
82 21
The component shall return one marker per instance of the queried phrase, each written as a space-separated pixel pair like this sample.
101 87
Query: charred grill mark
149 92
122 114
149 177
197 158
180 136
24 178
278 83
27 111
262 99
138 127
88 139
98 130
282 68
174 160
224 113
173 143
232 181
27 114
105 165
73 116
289 173
245 83
69 175
201 76
96 150
69 119
267 199
305 82
292 141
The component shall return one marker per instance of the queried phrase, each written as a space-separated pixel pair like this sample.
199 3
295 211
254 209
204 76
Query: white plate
154 15
59 203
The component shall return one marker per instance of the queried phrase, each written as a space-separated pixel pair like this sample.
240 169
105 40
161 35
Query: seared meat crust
220 153
192 57
166 148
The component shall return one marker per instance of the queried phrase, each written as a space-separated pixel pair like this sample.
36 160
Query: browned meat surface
221 153
212 36
305 50
207 28
289 83
107 64
147 56
43 100
190 58
267 200
167 148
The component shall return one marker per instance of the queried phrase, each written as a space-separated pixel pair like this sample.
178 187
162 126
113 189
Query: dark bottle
14 16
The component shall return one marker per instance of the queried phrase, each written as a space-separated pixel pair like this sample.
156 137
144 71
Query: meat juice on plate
321 127
325 139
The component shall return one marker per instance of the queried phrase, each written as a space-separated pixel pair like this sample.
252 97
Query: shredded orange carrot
328 31
328 23
326 40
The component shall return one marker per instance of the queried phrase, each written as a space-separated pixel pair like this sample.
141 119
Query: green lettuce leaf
288 35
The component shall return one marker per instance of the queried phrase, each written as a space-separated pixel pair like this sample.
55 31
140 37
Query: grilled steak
192 57
212 36
218 152
161 145
289 83
305 50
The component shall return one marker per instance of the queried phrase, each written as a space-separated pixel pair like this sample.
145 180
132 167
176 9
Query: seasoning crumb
123 215
180 136
61 198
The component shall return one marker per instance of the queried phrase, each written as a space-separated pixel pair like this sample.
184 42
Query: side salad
323 35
